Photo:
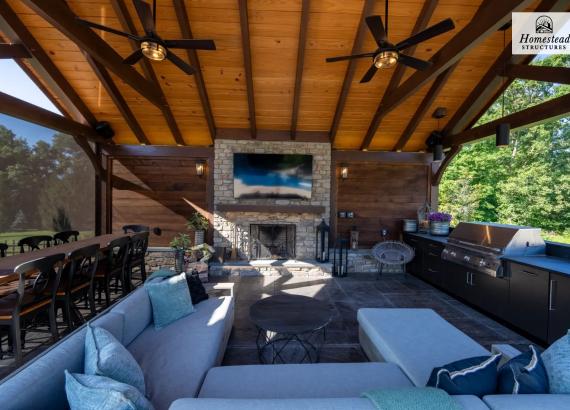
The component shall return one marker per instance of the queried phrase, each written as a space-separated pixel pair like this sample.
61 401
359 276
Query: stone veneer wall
230 225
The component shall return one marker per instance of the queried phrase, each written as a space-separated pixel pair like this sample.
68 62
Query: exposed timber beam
559 75
185 29
305 13
546 111
424 106
123 107
41 63
59 15
128 25
246 47
452 153
488 19
350 68
28 112
9 50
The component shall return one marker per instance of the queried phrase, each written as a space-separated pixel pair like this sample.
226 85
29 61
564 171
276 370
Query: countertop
440 239
549 263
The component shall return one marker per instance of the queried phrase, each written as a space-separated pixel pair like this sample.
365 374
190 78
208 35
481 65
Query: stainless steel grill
480 246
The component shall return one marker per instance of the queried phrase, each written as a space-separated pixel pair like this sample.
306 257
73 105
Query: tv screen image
281 176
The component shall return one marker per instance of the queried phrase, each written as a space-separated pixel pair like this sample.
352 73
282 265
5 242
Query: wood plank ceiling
276 35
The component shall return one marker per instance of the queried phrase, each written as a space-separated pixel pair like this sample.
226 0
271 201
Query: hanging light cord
504 74
386 19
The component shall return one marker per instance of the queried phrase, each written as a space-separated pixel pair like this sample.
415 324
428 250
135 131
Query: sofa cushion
417 340
106 356
557 363
87 392
303 380
137 312
523 374
175 359
528 401
46 372
170 299
475 375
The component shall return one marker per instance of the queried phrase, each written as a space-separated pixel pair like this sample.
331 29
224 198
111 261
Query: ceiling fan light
386 59
153 51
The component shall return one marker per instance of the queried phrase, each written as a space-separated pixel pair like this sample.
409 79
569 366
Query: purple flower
439 217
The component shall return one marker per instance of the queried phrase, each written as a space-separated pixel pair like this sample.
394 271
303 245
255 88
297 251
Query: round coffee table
284 321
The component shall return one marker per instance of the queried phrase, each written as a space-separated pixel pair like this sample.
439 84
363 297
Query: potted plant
198 223
180 243
439 223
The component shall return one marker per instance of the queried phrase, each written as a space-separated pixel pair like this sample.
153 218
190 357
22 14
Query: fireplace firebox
272 241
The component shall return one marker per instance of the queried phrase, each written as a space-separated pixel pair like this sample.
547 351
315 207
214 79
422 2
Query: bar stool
137 253
28 301
113 266
34 243
77 282
135 228
3 250
65 237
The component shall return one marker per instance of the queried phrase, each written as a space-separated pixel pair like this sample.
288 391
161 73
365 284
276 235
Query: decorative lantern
354 238
340 258
322 242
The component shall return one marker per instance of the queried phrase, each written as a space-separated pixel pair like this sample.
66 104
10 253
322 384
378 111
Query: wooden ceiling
280 85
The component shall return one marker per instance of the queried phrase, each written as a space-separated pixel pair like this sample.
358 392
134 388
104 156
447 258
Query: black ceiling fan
388 54
151 45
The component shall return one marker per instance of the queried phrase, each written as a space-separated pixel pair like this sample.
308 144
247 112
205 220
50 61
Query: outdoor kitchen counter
548 263
427 236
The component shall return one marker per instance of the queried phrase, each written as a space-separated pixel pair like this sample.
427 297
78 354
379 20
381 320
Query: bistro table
288 321
9 263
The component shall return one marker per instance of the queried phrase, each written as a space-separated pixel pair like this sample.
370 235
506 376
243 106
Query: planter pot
199 237
179 260
439 228
410 225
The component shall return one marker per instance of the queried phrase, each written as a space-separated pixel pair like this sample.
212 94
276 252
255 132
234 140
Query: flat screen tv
287 176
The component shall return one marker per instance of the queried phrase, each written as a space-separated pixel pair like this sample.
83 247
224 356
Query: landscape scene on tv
287 176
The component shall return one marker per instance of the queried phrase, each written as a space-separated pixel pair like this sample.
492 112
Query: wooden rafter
546 111
128 25
559 75
350 68
186 30
305 13
28 112
452 153
424 106
16 31
246 47
489 18
9 50
59 15
123 107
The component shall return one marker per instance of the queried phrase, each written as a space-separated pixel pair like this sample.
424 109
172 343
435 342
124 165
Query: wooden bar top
9 263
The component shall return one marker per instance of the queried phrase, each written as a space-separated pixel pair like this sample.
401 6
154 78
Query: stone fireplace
234 218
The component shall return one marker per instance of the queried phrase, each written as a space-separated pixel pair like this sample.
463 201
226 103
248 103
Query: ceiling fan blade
134 57
377 29
369 74
107 29
414 62
145 15
181 64
435 30
341 58
192 44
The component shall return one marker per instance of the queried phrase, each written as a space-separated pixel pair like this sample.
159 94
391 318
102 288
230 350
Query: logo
544 25
540 33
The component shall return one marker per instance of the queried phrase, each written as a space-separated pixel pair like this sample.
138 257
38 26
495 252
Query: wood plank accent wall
380 194
159 192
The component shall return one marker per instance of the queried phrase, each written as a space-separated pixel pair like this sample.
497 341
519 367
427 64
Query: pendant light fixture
502 132
437 137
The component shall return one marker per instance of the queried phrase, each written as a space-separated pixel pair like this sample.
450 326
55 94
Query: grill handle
551 305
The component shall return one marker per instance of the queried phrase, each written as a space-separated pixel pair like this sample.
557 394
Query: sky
16 83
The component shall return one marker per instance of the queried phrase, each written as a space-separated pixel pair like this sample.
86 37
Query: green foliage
197 222
527 183
181 241
61 222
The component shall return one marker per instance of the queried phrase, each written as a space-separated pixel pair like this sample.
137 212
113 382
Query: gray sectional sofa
174 359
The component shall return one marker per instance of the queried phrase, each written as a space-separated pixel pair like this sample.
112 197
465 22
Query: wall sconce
344 171
200 165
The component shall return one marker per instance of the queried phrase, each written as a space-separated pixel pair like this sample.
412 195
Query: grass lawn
557 237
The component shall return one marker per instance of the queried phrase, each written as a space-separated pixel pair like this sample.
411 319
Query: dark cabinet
415 266
529 290
558 306
432 263
488 292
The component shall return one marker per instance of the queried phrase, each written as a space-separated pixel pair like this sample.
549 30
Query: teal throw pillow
170 299
106 356
86 392
557 363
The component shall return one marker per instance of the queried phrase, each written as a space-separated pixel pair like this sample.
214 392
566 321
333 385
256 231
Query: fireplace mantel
288 209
